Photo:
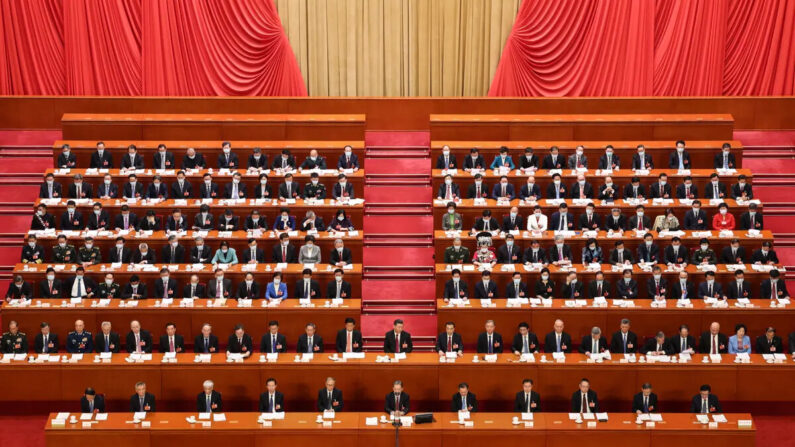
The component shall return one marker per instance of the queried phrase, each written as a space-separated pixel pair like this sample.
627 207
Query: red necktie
171 344
349 345
397 343
449 343
640 223
284 254
714 345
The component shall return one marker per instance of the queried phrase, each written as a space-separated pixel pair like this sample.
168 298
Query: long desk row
211 149
238 240
702 152
268 208
195 178
182 272
621 178
291 316
429 382
352 430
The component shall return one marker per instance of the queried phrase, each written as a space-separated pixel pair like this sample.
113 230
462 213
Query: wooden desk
702 152
470 212
291 316
583 127
620 178
646 320
350 430
196 178
211 149
184 126
502 278
365 382
262 272
106 241
326 210
577 243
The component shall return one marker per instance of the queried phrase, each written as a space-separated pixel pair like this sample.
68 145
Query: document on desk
719 418
102 417
139 415
655 417
588 416
702 418
371 421
86 416
204 416
219 417
574 416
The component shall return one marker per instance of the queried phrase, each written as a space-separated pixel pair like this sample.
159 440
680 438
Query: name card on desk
400 356
353 355
75 300
373 421
101 417
406 421
527 416
219 417
272 416
307 356
328 414
490 358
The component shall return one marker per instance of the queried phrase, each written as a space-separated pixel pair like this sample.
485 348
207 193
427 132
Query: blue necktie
270 404
273 344
80 287
206 345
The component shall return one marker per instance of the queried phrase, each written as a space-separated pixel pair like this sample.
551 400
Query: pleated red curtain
649 47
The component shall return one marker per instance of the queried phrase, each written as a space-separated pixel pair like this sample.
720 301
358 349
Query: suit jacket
496 191
318 163
223 223
303 343
652 288
215 400
127 293
253 293
456 346
517 224
449 290
512 255
555 221
540 256
526 191
99 404
586 188
576 401
651 346
633 222
75 223
198 344
709 192
457 403
655 193
57 191
132 221
627 291
455 190
480 224
345 289
520 404
593 291
703 290
532 343
612 224
208 192
482 293
630 192
712 402
477 163
673 160
86 192
179 254
101 222
160 291
266 344
334 257
451 162
149 403
765 346
525 162
348 163
179 343
612 195
648 163
405 342
131 191
402 403
314 289
145 224
157 192
185 192
562 191
574 290
588 345
114 342
571 163
615 162
337 191
262 162
230 160
101 162
617 342
676 343
704 343
584 224
681 257
136 162
67 161
292 255
202 256
139 257
241 191
342 340
145 338
558 163
733 291
758 256
682 194
649 254
233 346
173 225
717 162
265 405
676 290
57 289
766 289
511 292
483 343
736 191
745 221
637 403
197 161
336 403
261 223
259 255
52 343
212 291
294 193
550 344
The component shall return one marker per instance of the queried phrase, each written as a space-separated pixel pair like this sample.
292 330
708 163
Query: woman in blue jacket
276 289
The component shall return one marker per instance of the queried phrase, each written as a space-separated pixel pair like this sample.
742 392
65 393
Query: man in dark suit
98 219
609 161
227 159
687 190
162 158
713 341
209 400
556 190
157 189
50 287
489 341
557 340
138 340
240 342
79 189
657 286
181 189
485 288
594 343
446 160
680 158
349 339
682 288
615 221
449 190
774 287
486 222
176 221
193 160
135 289
769 342
642 160
589 220
683 341
50 189
709 288
765 255
173 252
141 400
530 190
101 158
284 251
208 189
582 189
624 341
165 287
751 219
739 288
171 341
573 287
584 400
343 189
509 253
91 402
715 189
236 189
107 189
609 191
634 190
397 340
330 397
474 161
529 161
725 159
306 287
524 342
627 287
132 160
248 288
516 288
271 401
562 219
339 288
72 219
133 189
397 402
599 287
648 251
645 401
658 345
513 221
464 400
553 160
219 284
206 342
126 220
310 342
257 160
348 160
66 159
106 340
503 190
733 254
478 189
742 190
46 342
527 400
705 402
449 341
640 221
200 253
661 189
535 254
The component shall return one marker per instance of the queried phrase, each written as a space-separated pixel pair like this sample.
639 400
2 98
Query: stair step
402 153
386 307
399 242
397 182
376 209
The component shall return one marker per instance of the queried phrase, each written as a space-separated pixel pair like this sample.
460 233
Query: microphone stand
397 424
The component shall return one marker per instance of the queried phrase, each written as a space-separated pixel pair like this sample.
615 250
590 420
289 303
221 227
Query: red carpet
29 137
389 224
15 224
406 138
398 194
18 193
761 138
769 165
404 289
26 165
397 166
398 256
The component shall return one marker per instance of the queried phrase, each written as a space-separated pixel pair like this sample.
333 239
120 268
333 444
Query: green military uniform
64 255
89 255
14 343
699 255
453 256
109 291
315 191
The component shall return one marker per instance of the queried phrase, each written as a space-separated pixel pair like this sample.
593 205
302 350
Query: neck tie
44 349
620 257
284 254
339 286
487 226
192 290
464 403
557 339
163 161
752 221
209 403
725 161
271 406
330 403
449 343
306 289
165 289
107 343
49 188
234 190
171 344
525 346
503 191
219 285
645 404
477 191
79 287
206 345
557 192
273 343
491 345
446 162
715 194
397 342
599 289
137 343
562 223
684 345
397 402
640 223
78 190
91 406
773 291
309 345
141 404
449 194
739 289
714 345
704 407
527 401
709 290
584 401
457 295
349 342
624 336
687 192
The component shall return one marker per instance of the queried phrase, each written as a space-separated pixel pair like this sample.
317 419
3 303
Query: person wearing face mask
634 190
119 252
456 253
641 160
679 158
592 252
200 253
478 189
723 220
132 160
560 253
126 220
133 189
348 160
193 289
173 252
765 255
50 189
739 288
309 253
276 289
176 221
32 252
682 288
19 289
609 160
193 160
263 189
135 289
578 159
598 287
513 221
89 254
157 189
150 223
253 254
284 251
289 189
529 161
249 288
109 288
314 189
774 288
503 160
225 255
208 188
509 253
313 161
676 253
219 286
66 159
227 159
42 220
556 190
503 190
538 220
163 159
204 220
535 254
63 252
80 189
553 160
562 220
725 159
715 189
484 255
544 287
72 219
257 160
581 189
627 287
657 286
648 251
448 190
709 288
80 286
455 287
181 189
341 222
143 255
573 288
696 218
228 221
98 219
530 191
236 189
171 341
666 221
486 288
284 221
687 190
306 287
340 255
619 255
589 220
751 219
166 286
446 160
742 189
452 220
312 222
255 221
474 161
661 189
639 221
339 288
46 341
704 254
342 189
609 191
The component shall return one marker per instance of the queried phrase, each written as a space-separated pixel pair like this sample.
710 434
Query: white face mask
192 156
742 184
276 281
574 281
263 182
174 244
342 183
236 181
559 245
249 282
648 243
446 152
545 277
208 182
50 277
640 213
714 183
516 281
256 157
89 246
31 244
609 154
556 182
107 182
448 182
581 182
451 211
609 184
509 243
97 212
680 149
579 153
704 247
340 218
108 281
723 210
662 182
313 157
478 182
640 153
695 210
227 150
71 210
657 277
627 280
338 278
315 182
62 244
348 153
66 153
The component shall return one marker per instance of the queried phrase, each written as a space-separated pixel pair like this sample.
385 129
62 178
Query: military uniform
64 255
33 255
14 343
451 256
315 191
700 255
85 255
109 291
79 343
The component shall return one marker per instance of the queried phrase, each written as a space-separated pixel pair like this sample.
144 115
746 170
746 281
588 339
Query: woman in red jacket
723 220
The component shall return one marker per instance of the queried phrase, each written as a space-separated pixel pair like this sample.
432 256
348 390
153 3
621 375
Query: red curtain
649 47
145 47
